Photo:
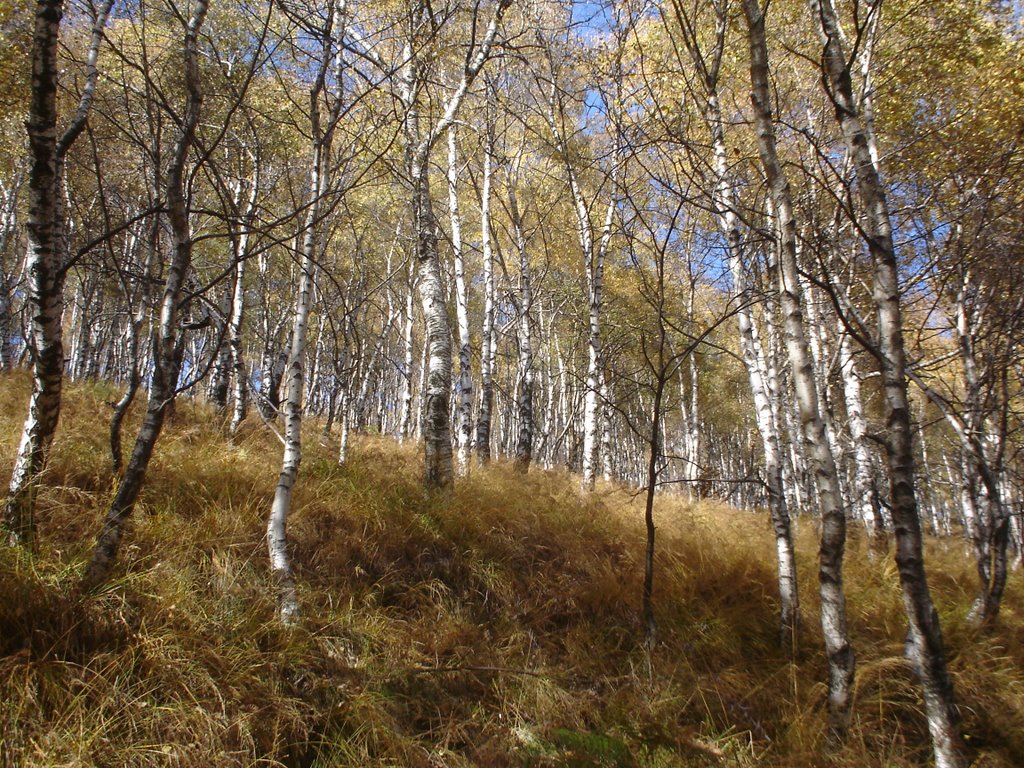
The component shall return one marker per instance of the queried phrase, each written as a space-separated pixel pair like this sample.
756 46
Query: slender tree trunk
464 424
487 340
925 646
236 316
989 523
238 374
767 427
405 418
653 472
8 229
321 133
277 539
220 373
833 527
168 344
524 440
863 484
47 247
343 427
133 335
594 263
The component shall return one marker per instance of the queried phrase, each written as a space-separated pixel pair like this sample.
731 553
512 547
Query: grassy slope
493 626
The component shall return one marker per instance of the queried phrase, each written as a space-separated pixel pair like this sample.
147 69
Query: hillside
493 626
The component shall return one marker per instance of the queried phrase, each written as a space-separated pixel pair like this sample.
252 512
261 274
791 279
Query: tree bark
863 482
525 373
833 526
925 646
47 249
487 340
438 457
167 346
464 425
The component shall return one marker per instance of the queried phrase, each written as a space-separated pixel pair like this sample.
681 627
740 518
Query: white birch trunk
438 461
833 529
405 417
925 644
464 427
168 344
277 538
47 250
594 263
8 227
487 340
863 484
524 440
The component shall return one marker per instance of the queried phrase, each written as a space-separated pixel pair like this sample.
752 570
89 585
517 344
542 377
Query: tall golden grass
497 625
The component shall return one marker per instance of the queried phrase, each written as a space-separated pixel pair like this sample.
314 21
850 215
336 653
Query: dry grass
493 626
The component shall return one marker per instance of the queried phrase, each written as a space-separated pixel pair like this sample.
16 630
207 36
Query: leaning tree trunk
925 646
991 518
833 527
47 248
167 346
133 333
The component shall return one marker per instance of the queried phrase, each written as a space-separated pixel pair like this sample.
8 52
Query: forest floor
495 625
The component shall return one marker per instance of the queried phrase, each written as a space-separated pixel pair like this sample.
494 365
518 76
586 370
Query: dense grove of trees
759 252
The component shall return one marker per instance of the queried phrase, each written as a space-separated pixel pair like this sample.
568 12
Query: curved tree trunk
168 344
47 248
833 525
925 645
133 333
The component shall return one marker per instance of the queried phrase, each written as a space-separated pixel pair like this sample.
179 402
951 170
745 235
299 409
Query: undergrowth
496 625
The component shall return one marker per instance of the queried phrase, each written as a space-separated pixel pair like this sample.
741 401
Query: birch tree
488 343
46 261
524 308
323 123
464 408
420 138
925 646
833 526
708 65
593 250
168 341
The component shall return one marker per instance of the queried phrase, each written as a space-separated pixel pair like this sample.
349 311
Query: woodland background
711 258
